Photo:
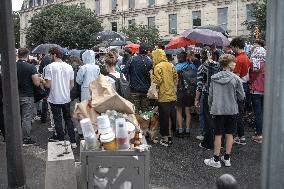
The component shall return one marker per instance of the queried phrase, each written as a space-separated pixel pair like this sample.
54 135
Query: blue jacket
138 69
87 73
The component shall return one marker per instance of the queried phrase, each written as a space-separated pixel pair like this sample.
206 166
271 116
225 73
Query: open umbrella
215 28
133 47
178 42
75 53
120 43
206 37
174 51
109 36
44 48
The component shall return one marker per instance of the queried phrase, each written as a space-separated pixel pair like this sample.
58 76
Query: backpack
213 68
188 80
121 85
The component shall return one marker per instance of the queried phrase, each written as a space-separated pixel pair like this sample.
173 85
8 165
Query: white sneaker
73 145
226 162
200 137
212 163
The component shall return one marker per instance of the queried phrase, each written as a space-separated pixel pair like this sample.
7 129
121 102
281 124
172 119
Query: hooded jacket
165 76
225 90
87 73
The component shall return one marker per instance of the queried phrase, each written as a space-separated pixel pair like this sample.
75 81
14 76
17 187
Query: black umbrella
215 28
109 36
44 48
120 43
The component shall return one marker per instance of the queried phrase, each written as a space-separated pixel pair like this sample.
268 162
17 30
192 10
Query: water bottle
121 134
89 134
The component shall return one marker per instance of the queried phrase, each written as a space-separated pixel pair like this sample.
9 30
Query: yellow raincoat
165 76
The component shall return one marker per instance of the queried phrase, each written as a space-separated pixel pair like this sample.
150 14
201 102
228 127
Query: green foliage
142 33
67 26
258 15
16 20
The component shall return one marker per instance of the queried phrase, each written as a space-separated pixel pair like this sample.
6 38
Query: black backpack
121 85
188 81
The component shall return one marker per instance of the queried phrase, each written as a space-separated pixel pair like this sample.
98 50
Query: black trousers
57 117
240 119
44 110
208 141
167 112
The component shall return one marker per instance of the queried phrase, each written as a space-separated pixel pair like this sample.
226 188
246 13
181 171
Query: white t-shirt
60 74
112 81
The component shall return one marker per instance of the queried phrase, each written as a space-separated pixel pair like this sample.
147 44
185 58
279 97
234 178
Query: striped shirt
202 79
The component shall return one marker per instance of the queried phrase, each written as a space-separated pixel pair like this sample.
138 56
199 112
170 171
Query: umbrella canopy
178 42
109 36
174 51
44 48
75 53
120 43
133 47
215 28
206 37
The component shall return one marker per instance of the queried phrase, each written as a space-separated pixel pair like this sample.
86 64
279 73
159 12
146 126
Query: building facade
171 17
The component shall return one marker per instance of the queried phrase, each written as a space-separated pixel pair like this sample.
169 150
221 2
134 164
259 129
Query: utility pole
273 147
14 154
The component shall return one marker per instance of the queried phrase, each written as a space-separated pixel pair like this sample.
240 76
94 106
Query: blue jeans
257 103
202 115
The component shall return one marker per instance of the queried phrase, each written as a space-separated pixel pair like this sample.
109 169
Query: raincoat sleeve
80 76
175 76
157 77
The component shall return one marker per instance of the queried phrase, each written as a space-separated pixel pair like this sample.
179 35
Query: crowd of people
226 86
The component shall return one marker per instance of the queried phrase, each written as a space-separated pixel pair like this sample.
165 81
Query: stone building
171 17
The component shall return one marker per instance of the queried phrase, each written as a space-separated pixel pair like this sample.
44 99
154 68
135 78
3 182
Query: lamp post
14 154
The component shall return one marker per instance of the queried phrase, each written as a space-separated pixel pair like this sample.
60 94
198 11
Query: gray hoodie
225 90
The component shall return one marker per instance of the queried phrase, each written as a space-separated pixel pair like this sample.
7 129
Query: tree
68 26
258 15
16 20
142 33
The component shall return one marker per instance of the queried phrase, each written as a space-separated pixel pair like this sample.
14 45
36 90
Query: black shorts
225 124
185 100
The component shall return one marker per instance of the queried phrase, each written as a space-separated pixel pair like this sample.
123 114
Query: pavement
177 167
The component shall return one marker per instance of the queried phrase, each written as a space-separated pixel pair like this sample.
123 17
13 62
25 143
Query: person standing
257 78
225 90
242 70
27 79
87 73
166 78
138 69
59 78
185 96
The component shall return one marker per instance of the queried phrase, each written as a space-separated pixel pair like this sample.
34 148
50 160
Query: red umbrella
178 42
133 47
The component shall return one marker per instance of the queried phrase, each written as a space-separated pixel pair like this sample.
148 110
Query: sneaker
200 145
212 163
257 139
164 143
200 137
240 141
28 142
51 129
226 162
73 145
186 134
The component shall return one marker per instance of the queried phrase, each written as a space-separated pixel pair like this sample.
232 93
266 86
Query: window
131 22
223 17
31 3
98 7
249 12
113 5
196 18
151 21
173 24
82 4
38 2
114 26
151 3
131 4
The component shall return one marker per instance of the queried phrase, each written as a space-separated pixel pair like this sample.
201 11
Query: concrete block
60 167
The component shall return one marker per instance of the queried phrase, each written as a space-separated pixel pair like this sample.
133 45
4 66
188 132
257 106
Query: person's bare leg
188 117
179 117
229 143
217 145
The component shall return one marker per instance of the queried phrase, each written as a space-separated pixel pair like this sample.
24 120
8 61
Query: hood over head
89 57
159 56
223 77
